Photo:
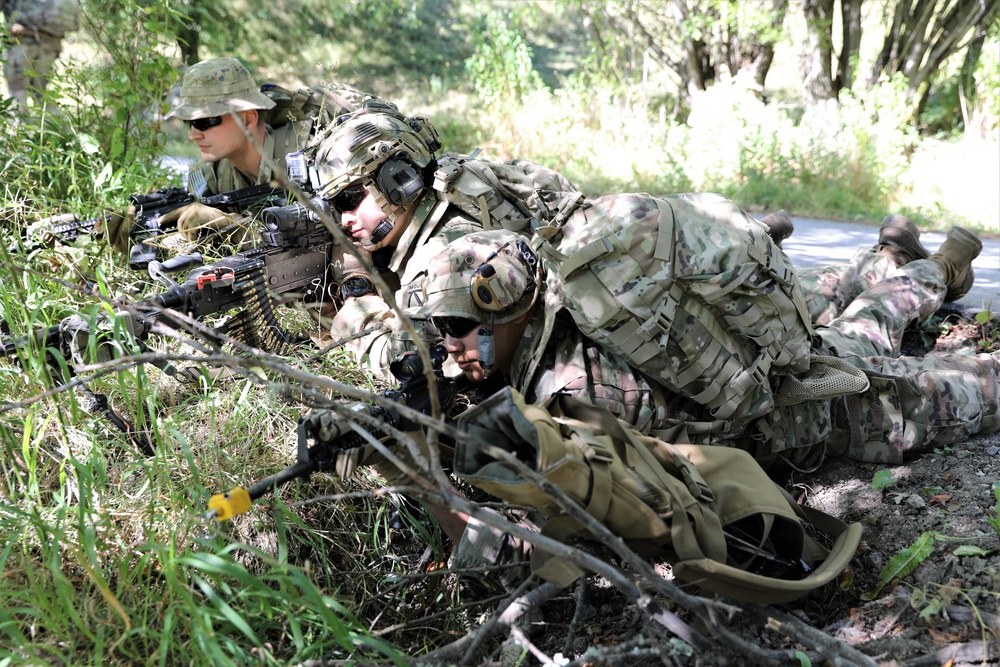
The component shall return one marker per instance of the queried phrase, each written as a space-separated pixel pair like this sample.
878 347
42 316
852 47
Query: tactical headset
490 293
493 296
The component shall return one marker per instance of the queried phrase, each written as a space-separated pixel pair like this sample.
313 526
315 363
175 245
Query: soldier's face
222 141
465 349
362 220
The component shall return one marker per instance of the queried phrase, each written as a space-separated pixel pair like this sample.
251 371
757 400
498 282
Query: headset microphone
487 345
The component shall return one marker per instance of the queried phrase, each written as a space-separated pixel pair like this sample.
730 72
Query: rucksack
711 511
690 291
517 195
319 104
53 17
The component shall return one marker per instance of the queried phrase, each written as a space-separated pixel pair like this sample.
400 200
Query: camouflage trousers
912 404
28 65
872 324
830 289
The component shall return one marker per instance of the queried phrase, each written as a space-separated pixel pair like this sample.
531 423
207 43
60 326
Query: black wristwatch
356 286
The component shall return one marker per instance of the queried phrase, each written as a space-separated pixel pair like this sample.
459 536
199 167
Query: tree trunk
817 52
850 13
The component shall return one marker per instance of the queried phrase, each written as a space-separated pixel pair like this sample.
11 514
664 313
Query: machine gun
293 257
332 433
149 207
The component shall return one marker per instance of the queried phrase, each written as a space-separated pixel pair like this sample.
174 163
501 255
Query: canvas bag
709 510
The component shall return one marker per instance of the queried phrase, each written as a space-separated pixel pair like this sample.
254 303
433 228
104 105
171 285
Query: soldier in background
36 28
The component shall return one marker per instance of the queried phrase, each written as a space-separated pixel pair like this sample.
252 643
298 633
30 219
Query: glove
194 217
115 229
350 273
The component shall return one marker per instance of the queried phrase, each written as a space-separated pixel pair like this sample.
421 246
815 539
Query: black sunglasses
202 124
349 198
456 327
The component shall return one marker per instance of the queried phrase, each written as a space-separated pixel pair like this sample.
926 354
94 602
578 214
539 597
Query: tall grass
105 554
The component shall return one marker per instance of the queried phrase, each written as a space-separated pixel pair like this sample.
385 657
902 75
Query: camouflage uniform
459 194
37 28
909 404
829 289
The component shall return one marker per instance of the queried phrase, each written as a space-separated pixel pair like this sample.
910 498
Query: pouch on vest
712 511
517 195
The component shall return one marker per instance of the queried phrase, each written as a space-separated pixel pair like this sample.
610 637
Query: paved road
817 242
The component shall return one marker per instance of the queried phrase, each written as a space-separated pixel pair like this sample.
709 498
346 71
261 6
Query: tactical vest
516 195
691 291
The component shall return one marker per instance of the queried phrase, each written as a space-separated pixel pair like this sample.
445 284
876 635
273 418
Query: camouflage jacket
222 176
51 17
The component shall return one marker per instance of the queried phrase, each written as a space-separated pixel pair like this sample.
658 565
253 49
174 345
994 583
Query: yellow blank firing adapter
229 504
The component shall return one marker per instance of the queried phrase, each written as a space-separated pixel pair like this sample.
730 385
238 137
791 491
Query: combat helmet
379 147
489 277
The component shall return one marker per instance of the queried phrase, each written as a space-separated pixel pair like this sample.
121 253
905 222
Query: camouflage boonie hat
217 86
357 145
496 269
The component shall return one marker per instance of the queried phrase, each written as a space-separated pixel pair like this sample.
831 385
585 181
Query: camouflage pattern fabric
911 404
873 323
828 290
692 291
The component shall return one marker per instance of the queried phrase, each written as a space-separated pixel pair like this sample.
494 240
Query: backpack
519 195
690 291
53 17
712 511
319 104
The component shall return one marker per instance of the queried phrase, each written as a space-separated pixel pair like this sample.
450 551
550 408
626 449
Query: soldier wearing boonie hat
219 98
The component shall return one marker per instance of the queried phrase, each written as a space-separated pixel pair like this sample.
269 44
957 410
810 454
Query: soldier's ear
250 117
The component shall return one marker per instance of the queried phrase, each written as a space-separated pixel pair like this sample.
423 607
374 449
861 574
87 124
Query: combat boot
955 256
779 226
899 239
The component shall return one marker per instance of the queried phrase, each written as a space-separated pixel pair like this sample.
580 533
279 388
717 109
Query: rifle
149 207
332 434
293 257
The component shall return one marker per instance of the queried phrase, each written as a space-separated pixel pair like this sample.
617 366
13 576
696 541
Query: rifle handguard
227 505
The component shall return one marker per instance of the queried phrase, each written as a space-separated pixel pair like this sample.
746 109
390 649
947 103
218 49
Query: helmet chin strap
383 228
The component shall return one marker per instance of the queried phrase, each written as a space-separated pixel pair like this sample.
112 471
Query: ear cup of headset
399 181
496 295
